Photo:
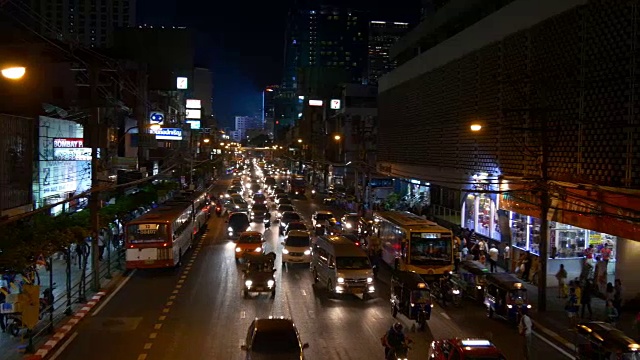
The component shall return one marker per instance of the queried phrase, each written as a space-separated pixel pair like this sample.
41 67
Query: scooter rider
394 340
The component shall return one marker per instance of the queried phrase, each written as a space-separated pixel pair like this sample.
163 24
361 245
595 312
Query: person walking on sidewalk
587 293
525 328
507 257
571 307
611 313
617 295
493 258
561 275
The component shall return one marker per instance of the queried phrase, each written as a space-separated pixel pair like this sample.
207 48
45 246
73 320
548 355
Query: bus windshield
353 262
147 233
427 251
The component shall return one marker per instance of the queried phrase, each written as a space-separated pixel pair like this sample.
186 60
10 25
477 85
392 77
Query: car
273 339
237 189
287 217
237 223
240 205
282 208
258 212
296 247
350 223
259 198
320 217
255 188
295 225
284 201
462 349
270 181
250 242
354 238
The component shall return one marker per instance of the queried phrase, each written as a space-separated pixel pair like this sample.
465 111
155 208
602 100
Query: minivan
341 266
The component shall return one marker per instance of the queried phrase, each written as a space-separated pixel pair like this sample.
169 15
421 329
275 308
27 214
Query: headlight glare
238 249
285 251
270 283
307 252
369 280
248 283
229 229
258 249
340 280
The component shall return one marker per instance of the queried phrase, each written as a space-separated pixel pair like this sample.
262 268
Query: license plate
149 261
259 289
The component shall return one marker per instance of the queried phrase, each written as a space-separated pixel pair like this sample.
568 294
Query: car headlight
248 283
369 280
237 206
258 249
528 306
270 283
247 186
340 280
456 292
285 251
230 233
307 252
349 226
509 306
229 229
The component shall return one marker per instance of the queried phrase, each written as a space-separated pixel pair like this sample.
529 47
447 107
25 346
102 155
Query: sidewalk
12 348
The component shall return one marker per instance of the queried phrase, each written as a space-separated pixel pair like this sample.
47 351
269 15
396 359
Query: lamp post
545 203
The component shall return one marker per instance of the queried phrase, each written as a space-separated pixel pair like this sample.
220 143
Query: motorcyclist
394 340
445 286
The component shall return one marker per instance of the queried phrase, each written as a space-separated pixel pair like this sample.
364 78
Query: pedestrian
571 307
101 236
525 328
587 293
79 253
611 313
617 295
561 275
3 298
506 254
526 262
493 258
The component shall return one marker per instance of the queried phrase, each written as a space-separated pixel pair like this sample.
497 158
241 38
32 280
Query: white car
297 247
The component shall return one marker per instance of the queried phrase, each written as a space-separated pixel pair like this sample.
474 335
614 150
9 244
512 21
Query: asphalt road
197 312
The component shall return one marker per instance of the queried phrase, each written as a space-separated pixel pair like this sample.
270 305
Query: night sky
243 42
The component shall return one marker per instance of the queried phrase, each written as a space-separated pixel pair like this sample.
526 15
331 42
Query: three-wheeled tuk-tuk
596 340
258 274
410 296
504 295
474 276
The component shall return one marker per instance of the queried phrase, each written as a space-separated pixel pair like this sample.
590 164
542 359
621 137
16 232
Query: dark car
295 225
237 223
354 238
283 208
287 217
350 223
274 338
258 212
270 181
258 275
259 198
284 201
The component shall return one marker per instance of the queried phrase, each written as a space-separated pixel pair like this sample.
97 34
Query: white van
341 266
297 247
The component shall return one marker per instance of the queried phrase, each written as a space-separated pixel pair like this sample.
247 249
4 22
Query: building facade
245 123
16 164
555 98
382 36
88 23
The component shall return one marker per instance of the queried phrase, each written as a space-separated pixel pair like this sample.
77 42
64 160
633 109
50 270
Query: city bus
297 185
412 243
159 238
200 204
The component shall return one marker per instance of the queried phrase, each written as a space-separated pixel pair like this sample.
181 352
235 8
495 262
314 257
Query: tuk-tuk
474 277
410 295
259 274
596 340
504 295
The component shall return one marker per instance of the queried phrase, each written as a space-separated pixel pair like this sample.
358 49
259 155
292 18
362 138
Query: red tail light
357 243
165 244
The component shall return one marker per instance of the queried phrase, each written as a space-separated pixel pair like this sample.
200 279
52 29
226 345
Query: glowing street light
155 127
337 137
476 127
206 141
299 140
14 72
221 144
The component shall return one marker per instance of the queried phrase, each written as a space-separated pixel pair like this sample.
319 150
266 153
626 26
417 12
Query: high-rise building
268 108
429 7
244 123
89 23
382 35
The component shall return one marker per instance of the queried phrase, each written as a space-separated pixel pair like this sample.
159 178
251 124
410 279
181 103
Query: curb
62 332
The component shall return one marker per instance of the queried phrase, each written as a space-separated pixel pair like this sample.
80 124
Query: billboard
316 103
181 83
194 104
156 118
335 104
195 124
167 133
194 114
71 149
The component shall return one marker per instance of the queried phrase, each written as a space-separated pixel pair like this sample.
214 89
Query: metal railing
444 213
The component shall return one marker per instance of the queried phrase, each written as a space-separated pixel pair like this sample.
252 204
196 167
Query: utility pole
545 204
94 199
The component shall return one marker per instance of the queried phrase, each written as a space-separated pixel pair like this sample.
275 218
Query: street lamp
476 127
206 140
337 137
14 72
300 141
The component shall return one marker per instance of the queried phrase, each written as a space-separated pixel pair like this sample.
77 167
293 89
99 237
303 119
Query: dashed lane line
148 346
142 357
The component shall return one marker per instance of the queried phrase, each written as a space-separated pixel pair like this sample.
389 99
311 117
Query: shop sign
167 133
72 154
64 143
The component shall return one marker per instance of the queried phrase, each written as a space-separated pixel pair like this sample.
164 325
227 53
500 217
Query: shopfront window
534 235
569 240
470 212
484 215
519 230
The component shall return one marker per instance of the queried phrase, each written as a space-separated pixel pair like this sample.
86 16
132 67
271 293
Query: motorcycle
401 353
313 193
219 210
447 292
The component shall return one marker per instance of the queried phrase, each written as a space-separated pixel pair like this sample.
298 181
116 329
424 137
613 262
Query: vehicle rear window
250 239
353 262
143 233
275 341
238 219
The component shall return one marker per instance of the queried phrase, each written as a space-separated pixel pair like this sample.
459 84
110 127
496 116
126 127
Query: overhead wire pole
94 199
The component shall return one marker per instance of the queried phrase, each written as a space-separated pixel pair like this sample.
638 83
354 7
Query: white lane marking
304 293
560 350
106 301
63 346
243 314
297 276
444 315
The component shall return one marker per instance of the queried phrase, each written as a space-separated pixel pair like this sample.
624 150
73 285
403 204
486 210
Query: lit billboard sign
195 124
181 83
167 133
316 102
194 114
335 104
68 143
156 118
71 149
194 104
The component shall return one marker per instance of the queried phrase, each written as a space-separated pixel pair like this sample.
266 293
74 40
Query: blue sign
168 133
156 118
380 182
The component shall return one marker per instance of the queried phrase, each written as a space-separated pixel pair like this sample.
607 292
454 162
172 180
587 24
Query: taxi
461 349
249 242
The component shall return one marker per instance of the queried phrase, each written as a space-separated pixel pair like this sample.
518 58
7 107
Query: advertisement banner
194 114
167 133
68 143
